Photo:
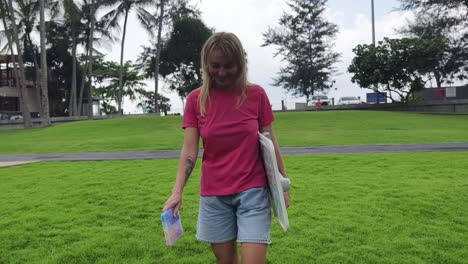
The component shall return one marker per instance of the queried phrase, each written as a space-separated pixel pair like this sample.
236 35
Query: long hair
231 47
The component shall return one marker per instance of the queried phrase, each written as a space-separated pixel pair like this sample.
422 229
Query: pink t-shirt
231 158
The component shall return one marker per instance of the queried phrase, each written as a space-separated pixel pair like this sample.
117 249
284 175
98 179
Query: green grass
368 127
293 129
372 208
119 134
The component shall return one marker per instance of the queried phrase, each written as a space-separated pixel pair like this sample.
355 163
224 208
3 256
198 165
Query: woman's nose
222 71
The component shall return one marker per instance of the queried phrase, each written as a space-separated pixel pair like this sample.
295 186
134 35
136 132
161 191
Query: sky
248 19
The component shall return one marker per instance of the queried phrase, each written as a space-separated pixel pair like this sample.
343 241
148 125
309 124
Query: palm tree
21 75
9 48
27 15
27 12
3 34
158 54
45 94
72 14
82 33
123 8
89 10
90 59
176 8
87 32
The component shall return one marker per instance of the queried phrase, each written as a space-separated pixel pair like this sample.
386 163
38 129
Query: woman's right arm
188 157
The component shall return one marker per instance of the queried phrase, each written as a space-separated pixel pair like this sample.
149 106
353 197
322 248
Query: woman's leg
217 226
226 253
253 253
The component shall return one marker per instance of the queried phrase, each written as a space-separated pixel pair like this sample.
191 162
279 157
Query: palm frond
147 20
146 3
72 11
96 52
5 49
54 9
111 20
3 35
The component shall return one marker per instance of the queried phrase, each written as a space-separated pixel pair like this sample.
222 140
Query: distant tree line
434 47
66 80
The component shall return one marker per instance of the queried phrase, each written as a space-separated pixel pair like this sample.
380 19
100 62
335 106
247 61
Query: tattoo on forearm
189 164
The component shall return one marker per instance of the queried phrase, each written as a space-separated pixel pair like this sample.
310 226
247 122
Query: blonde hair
231 47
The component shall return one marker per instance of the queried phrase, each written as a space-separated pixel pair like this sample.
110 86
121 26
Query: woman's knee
226 253
253 253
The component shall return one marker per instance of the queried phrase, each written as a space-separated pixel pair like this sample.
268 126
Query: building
9 95
445 93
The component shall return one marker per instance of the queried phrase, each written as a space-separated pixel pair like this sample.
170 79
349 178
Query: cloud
361 33
249 18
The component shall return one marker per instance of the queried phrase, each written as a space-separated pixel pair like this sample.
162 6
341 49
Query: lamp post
376 90
373 23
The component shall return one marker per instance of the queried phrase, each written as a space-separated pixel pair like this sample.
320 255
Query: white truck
323 99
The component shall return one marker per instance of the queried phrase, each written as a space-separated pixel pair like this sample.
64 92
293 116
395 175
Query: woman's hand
174 202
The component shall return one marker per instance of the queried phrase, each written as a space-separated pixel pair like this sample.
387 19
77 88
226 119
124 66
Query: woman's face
222 71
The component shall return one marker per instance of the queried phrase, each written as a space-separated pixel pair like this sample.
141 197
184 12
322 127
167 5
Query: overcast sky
249 18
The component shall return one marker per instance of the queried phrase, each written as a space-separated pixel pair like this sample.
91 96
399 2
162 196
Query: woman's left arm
279 159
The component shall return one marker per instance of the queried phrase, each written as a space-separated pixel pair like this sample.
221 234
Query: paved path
171 154
15 163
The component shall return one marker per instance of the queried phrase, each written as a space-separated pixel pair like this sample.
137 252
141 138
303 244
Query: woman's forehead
217 55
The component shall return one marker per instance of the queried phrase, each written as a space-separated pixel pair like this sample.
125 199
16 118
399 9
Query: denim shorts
244 217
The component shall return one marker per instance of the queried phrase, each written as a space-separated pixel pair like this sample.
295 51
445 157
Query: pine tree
304 39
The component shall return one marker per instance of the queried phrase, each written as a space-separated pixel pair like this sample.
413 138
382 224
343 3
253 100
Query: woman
227 112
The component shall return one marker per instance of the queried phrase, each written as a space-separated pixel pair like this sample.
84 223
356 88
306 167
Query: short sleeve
265 113
190 113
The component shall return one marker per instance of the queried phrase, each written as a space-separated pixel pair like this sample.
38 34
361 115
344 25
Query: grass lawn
369 208
293 129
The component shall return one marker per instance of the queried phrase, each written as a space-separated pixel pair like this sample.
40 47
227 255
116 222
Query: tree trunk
37 84
183 104
82 85
37 81
158 57
438 79
45 91
15 69
90 62
73 109
80 97
120 92
22 80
